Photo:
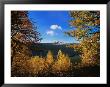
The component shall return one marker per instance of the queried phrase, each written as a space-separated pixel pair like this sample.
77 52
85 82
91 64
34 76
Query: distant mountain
41 49
58 43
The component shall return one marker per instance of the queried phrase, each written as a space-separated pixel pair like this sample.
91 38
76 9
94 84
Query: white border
56 80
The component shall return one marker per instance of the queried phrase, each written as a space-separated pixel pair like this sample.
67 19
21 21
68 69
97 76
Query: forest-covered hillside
42 49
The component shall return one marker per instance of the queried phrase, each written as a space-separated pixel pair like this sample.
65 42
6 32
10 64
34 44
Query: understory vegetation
39 66
47 66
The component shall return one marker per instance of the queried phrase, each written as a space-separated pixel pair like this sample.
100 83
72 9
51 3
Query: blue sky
52 25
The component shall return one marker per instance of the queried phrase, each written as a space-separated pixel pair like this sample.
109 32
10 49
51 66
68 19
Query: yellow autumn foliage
38 66
62 63
87 32
91 51
49 58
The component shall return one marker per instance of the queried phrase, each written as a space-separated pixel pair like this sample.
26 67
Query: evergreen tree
62 64
49 58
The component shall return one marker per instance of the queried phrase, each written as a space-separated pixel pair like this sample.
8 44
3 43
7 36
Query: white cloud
50 33
54 27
